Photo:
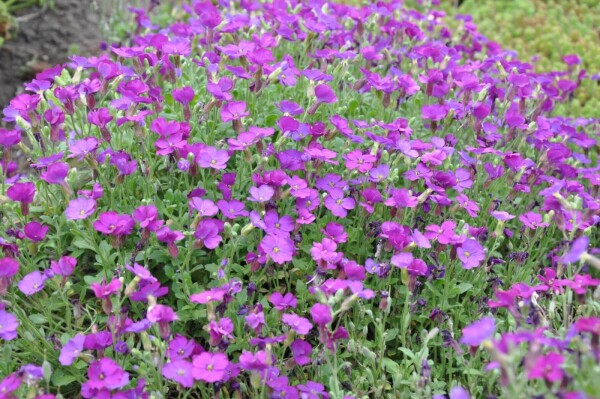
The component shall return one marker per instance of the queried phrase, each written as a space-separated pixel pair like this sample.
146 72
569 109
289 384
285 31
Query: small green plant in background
544 31
8 9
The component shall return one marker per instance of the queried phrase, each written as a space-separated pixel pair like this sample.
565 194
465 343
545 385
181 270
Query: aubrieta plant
298 199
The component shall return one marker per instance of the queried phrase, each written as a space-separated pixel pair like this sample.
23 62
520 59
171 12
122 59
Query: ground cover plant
298 200
545 32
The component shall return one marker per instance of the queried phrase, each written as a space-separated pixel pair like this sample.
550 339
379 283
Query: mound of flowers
298 199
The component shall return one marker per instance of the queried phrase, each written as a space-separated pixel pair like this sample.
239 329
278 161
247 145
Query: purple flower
179 371
162 315
32 283
324 94
578 248
21 192
8 267
64 266
71 350
104 290
312 390
434 112
210 367
479 331
279 248
321 314
299 324
205 207
55 173
283 302
471 253
147 217
301 350
106 373
80 148
547 367
261 194
233 111
112 223
35 231
338 204
181 348
253 361
8 327
532 220
232 209
80 208
9 384
208 231
185 95
210 157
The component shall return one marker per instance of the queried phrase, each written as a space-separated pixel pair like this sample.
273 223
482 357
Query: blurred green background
548 28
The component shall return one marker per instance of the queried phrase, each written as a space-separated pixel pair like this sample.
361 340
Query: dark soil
43 39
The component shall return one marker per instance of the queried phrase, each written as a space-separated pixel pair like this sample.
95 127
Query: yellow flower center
209 367
467 254
276 250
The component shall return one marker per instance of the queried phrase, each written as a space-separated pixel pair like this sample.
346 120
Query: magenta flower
283 302
55 173
71 350
106 373
479 331
263 193
338 204
325 251
312 390
299 324
212 295
181 348
35 231
162 315
210 367
103 290
233 111
23 193
147 217
232 209
80 148
324 94
80 208
8 267
32 283
170 237
204 207
532 220
276 225
471 253
357 160
210 157
547 367
8 326
321 314
578 248
279 248
112 223
208 231
180 371
253 361
301 350
444 233
64 266
434 112
185 95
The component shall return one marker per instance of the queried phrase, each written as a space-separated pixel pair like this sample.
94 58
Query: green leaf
37 318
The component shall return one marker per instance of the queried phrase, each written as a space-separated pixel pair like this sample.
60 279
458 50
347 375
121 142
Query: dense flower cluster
298 199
